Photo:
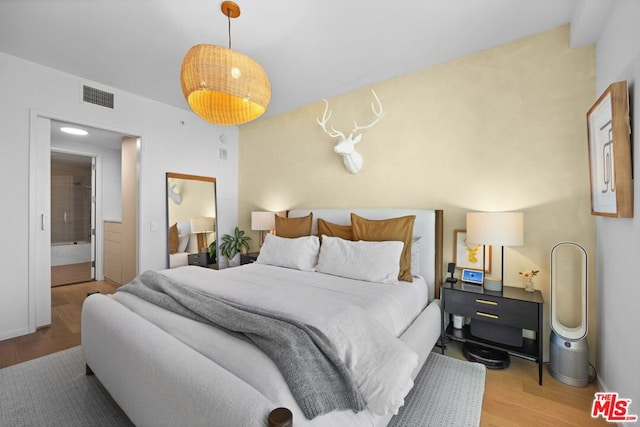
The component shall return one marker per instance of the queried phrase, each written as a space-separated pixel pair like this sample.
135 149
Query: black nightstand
248 258
511 308
202 259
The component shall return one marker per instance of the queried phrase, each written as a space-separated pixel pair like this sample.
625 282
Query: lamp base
492 284
202 243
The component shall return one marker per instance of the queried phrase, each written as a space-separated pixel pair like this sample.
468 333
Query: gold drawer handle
490 316
484 301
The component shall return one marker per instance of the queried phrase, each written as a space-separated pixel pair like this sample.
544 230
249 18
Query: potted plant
212 251
232 246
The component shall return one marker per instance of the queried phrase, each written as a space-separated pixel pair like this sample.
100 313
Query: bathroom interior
71 222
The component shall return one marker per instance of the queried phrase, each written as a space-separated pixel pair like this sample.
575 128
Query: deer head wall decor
173 191
346 146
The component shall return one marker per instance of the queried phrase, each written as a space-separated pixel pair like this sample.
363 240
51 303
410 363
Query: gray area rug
447 392
54 391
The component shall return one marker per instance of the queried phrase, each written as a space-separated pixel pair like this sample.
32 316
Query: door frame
96 217
39 281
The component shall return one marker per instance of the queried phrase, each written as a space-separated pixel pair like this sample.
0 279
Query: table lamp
495 228
263 222
201 226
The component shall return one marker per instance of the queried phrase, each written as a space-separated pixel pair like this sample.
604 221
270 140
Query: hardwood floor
512 396
64 332
70 273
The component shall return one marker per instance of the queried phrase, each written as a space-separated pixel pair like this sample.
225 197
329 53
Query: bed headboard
428 226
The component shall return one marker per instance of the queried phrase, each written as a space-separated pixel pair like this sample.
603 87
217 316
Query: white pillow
300 253
182 243
362 260
415 256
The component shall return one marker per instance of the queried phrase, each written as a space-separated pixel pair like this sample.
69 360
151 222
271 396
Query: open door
93 218
40 225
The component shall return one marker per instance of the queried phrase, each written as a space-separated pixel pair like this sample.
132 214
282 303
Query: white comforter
361 318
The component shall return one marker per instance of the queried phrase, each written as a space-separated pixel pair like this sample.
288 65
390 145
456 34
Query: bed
161 371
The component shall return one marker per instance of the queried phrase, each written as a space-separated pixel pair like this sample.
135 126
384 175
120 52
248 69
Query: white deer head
346 146
173 191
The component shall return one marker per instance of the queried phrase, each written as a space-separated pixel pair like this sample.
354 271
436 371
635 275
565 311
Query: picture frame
609 144
467 256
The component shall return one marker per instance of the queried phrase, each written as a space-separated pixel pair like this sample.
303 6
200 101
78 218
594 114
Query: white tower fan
568 347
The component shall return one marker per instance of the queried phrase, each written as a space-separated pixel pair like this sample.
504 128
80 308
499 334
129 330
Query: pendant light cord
229 21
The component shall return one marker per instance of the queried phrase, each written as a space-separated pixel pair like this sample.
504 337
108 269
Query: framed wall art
610 169
470 255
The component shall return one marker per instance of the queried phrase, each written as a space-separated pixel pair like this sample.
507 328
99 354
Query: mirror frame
183 176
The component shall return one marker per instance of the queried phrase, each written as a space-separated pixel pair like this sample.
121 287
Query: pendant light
223 86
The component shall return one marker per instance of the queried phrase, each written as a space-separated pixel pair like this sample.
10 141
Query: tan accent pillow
334 230
395 229
173 238
294 227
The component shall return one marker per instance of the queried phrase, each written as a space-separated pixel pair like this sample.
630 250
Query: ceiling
310 49
95 136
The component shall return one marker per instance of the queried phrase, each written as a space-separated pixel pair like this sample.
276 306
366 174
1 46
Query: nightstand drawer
198 259
520 314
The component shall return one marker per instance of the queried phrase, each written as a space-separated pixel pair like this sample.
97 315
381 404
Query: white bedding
307 296
178 259
394 306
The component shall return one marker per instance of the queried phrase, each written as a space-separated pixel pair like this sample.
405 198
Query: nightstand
248 258
498 312
202 259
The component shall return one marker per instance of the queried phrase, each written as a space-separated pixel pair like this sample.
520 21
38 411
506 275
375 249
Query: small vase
528 284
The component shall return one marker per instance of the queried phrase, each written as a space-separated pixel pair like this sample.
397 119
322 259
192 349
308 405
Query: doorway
105 148
72 216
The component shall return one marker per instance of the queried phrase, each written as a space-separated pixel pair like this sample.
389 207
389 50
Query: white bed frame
159 381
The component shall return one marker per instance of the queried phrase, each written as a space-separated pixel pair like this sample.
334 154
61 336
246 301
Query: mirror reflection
191 220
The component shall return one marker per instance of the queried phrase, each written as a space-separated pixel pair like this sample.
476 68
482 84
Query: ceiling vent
95 96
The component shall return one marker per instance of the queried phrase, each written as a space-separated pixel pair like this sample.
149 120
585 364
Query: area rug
447 392
54 391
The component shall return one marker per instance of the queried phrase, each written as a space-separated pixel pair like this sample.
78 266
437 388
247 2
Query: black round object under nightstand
491 358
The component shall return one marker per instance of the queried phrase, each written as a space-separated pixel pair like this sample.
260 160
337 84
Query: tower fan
568 347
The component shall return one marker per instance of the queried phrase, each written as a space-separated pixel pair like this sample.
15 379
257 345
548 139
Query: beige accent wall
500 130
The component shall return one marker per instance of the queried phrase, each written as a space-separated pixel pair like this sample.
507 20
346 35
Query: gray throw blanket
316 376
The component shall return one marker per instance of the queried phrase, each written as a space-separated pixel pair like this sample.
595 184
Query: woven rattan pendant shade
223 86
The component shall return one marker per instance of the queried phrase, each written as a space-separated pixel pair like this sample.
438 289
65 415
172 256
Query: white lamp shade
205 224
495 228
263 221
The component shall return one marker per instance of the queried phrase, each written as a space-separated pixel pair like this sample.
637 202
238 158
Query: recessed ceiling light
74 131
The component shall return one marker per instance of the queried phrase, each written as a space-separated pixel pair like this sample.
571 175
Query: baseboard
14 333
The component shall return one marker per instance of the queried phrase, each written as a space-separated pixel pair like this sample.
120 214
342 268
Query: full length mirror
191 220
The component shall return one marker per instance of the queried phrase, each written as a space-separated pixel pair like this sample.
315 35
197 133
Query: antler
379 114
323 123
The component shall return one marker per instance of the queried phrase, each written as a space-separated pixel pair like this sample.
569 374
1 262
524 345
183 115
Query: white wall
173 140
618 240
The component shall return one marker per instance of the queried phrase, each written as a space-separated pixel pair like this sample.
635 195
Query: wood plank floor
64 332
512 396
70 273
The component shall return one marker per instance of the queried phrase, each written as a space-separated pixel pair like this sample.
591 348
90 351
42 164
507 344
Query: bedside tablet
473 277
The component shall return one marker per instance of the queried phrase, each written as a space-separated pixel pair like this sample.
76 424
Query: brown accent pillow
395 229
334 230
173 238
294 227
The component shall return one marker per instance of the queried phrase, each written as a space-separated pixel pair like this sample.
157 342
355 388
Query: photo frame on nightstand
470 256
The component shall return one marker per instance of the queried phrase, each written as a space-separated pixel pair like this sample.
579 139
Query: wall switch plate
223 153
154 226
